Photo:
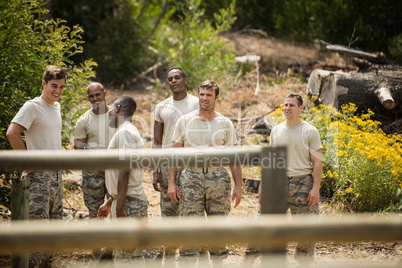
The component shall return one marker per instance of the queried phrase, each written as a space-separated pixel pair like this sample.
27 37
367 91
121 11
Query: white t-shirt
94 128
169 111
42 124
300 140
194 132
126 137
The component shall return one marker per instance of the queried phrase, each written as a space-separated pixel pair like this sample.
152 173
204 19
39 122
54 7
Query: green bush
115 34
195 45
362 165
395 48
27 45
369 25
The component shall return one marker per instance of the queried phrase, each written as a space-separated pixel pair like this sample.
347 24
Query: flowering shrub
362 166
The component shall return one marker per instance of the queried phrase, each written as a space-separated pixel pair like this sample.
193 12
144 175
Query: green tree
194 44
116 34
27 45
371 25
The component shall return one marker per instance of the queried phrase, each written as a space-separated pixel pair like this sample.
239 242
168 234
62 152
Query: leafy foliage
27 45
115 34
369 25
195 45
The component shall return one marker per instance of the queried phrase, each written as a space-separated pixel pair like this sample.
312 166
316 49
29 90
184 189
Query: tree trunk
49 6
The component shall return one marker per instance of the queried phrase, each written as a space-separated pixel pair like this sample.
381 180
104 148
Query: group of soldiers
182 120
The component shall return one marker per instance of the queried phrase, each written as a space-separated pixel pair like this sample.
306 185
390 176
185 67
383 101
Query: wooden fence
269 231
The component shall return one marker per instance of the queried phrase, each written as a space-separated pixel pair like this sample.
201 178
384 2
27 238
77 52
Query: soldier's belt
204 170
295 177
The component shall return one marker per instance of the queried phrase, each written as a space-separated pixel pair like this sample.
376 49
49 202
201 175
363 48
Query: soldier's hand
173 192
26 173
236 195
121 213
103 211
157 181
313 197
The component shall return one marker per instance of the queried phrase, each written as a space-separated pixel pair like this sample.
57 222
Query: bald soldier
92 131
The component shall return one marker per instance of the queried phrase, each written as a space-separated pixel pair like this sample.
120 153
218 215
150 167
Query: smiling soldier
92 131
40 120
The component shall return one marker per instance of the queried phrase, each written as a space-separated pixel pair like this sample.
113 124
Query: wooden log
314 85
378 89
385 97
322 87
267 230
378 58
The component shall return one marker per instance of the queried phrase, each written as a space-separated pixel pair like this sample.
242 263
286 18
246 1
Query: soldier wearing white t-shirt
205 189
40 120
166 114
92 131
304 164
128 198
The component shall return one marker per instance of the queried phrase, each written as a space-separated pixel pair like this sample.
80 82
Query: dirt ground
237 102
328 254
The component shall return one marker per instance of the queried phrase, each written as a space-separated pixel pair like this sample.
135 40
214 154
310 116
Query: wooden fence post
273 198
20 211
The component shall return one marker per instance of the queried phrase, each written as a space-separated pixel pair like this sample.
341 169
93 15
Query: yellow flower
341 153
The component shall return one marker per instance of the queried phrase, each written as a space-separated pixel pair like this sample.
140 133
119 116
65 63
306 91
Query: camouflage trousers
168 207
134 208
45 195
298 190
204 193
45 202
94 190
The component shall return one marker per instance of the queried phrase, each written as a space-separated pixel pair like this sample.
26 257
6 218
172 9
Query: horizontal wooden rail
123 158
267 230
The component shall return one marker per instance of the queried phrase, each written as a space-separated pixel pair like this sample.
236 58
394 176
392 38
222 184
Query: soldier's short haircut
209 84
53 72
297 96
178 68
127 105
